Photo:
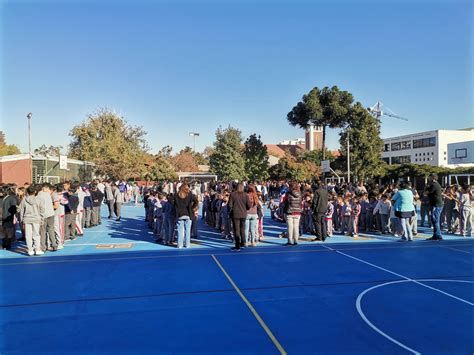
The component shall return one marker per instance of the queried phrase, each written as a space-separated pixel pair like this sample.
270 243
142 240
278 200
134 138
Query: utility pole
348 159
28 116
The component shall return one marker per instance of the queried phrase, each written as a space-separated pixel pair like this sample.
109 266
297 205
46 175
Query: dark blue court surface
367 296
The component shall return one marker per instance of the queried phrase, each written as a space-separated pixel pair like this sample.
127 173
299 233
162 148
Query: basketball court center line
459 250
249 305
27 262
405 277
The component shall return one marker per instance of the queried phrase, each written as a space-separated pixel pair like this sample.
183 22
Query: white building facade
443 148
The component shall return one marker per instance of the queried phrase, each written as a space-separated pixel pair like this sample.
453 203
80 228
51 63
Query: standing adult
435 196
97 196
185 203
30 215
135 193
109 197
404 210
9 211
319 208
239 203
118 201
251 219
47 227
293 211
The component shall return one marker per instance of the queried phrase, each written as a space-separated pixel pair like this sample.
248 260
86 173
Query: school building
442 148
21 168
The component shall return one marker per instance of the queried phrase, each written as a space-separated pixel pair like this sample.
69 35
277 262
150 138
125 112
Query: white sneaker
60 246
31 253
39 252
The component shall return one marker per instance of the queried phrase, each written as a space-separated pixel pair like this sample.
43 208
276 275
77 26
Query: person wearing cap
435 196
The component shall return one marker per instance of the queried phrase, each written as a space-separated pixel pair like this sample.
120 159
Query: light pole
348 159
28 116
194 135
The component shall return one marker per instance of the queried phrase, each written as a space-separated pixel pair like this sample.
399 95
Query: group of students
49 215
168 212
236 210
384 210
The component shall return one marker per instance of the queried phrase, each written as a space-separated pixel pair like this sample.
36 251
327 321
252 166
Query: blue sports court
115 291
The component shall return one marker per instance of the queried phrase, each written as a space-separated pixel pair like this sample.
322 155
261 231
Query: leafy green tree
227 161
328 107
288 168
111 143
363 131
159 168
199 158
256 159
7 149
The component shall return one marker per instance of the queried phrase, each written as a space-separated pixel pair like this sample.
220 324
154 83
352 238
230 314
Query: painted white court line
375 328
406 278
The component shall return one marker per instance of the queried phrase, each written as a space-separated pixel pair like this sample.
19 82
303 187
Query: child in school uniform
346 211
158 216
354 218
328 218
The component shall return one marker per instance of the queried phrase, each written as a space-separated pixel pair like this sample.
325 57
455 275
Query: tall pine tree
365 143
227 161
256 159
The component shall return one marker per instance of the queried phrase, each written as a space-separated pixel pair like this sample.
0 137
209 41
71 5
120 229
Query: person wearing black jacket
435 196
319 208
239 203
70 211
97 196
185 204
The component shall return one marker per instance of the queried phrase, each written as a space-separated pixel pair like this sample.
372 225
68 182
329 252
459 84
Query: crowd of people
48 216
236 210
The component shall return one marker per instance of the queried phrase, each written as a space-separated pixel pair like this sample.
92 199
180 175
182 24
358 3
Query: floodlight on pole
28 116
194 135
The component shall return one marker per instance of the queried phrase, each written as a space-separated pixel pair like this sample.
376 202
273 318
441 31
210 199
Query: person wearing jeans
251 229
184 231
293 208
434 193
404 209
251 236
185 203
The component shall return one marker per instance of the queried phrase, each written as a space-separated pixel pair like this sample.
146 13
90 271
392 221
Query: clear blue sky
180 66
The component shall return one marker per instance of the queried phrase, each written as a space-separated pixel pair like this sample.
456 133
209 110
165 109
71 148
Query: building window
386 147
425 142
460 153
387 160
401 145
432 153
401 159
